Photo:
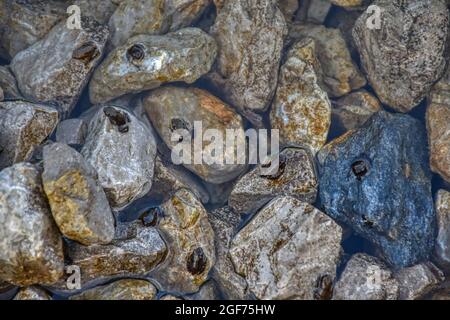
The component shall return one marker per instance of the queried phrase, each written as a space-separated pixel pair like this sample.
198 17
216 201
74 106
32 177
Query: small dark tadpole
117 118
150 217
135 53
196 262
360 168
87 52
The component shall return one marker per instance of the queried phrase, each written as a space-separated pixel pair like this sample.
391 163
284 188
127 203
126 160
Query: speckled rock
169 178
224 223
405 57
347 3
23 126
296 177
125 289
55 69
71 131
8 83
77 201
31 245
26 22
2 96
313 11
287 250
32 293
377 181
183 13
366 278
417 281
172 108
301 110
122 150
250 39
135 251
145 62
353 110
209 291
99 10
340 74
438 126
186 229
442 247
289 8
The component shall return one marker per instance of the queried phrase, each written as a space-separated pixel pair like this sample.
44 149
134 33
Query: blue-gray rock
377 180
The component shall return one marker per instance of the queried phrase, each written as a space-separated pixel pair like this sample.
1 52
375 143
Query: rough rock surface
250 39
224 223
377 181
23 126
71 131
366 278
30 245
287 250
405 57
126 289
8 84
145 62
189 235
99 10
296 176
32 293
77 201
442 247
122 150
135 250
340 74
347 3
55 69
301 110
315 11
417 281
289 8
171 109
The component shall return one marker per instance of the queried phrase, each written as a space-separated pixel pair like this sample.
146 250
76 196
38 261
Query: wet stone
125 289
122 150
190 238
250 39
295 177
301 110
23 126
286 250
8 84
415 282
171 109
77 201
405 57
31 245
71 131
59 80
135 251
377 181
442 247
32 293
366 278
145 62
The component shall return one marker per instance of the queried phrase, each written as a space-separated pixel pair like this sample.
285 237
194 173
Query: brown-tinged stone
416 281
32 293
442 246
125 289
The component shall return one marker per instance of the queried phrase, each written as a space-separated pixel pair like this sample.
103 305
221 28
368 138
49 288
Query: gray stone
99 10
442 246
55 69
23 126
122 150
289 8
250 39
314 11
287 250
71 131
32 293
125 289
377 181
208 291
145 62
190 238
171 109
366 278
405 57
77 201
30 246
296 177
8 84
415 282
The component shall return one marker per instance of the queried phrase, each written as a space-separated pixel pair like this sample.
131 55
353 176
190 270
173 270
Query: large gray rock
122 150
77 201
23 126
405 57
145 62
366 278
172 108
30 244
442 247
286 250
125 289
55 69
250 39
416 281
296 177
377 181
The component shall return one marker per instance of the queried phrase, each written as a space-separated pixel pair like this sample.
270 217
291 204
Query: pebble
32 293
125 289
